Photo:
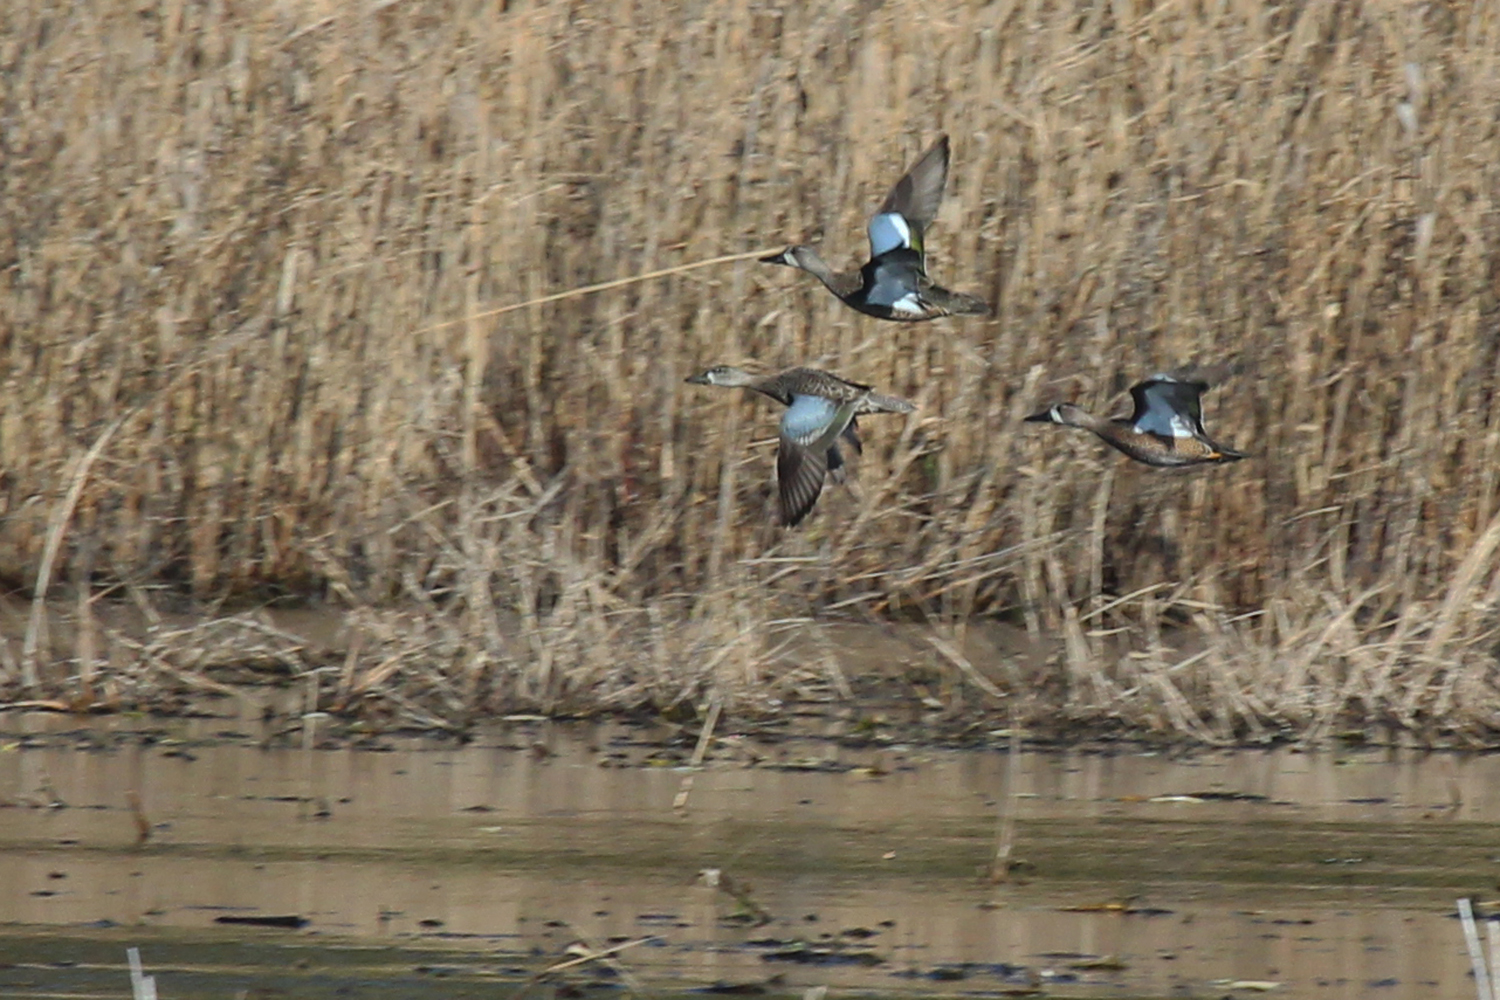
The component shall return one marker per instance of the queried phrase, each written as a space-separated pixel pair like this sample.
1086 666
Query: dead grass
273 239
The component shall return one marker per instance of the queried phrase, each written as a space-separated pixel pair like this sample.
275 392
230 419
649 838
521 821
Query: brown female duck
821 409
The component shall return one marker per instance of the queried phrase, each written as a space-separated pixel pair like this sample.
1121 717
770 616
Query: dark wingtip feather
919 191
799 475
1208 374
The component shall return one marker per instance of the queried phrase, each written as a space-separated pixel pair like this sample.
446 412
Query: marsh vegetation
255 258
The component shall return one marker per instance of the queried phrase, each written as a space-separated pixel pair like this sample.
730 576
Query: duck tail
960 304
889 404
1223 454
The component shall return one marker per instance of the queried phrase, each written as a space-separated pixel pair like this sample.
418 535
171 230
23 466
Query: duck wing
1168 407
810 430
912 204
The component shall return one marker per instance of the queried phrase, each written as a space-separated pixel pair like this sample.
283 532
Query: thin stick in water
1494 939
142 986
680 802
570 963
1476 956
1005 834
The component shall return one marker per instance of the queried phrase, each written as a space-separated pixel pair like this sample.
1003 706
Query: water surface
1330 874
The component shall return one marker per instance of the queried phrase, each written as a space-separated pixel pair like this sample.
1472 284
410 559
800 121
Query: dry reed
528 508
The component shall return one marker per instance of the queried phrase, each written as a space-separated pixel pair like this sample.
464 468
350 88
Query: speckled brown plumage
821 409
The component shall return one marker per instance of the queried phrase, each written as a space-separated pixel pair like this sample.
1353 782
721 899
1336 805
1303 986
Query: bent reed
248 248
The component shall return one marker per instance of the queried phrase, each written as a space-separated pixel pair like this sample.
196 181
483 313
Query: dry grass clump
251 252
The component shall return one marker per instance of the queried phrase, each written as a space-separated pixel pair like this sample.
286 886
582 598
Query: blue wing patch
889 231
807 418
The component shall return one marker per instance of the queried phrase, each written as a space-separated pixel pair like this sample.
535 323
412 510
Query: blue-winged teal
893 284
1165 429
821 408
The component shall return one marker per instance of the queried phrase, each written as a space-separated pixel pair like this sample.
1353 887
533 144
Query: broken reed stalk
142 986
953 656
56 528
1493 937
138 817
592 956
742 893
602 286
85 643
78 476
1008 805
704 736
1482 985
592 951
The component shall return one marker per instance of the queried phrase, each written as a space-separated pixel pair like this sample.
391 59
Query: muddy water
1331 875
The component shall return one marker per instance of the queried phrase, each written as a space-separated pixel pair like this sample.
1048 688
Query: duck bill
778 258
1044 417
699 379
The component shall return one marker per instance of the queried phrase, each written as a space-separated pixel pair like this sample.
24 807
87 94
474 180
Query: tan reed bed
253 252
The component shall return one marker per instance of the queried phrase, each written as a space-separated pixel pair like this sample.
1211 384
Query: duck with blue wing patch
893 284
1164 429
822 411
